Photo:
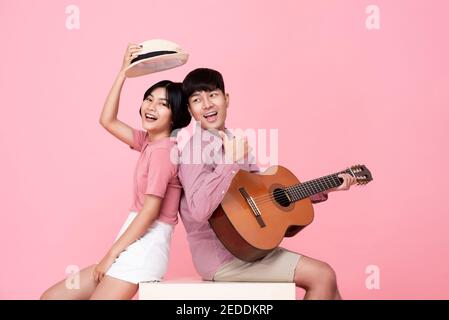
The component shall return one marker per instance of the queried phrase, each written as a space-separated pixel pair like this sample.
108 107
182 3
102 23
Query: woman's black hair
202 79
176 101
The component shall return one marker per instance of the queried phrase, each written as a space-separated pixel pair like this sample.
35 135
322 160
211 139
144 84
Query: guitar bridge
255 210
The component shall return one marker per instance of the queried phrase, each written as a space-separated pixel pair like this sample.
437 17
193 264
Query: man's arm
204 190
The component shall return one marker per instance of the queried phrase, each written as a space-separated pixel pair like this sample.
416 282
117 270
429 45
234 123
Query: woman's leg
317 278
111 288
60 292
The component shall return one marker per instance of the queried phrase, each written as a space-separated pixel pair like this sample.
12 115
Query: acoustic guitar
259 210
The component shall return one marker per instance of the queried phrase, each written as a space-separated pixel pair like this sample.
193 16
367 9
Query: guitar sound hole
281 197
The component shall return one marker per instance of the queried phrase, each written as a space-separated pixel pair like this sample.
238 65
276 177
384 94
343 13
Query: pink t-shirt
156 173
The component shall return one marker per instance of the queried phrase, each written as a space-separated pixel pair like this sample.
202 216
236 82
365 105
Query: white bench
188 289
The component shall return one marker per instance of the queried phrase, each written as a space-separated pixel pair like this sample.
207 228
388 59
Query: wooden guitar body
259 210
236 225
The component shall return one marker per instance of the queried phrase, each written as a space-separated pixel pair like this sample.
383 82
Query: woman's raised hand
131 52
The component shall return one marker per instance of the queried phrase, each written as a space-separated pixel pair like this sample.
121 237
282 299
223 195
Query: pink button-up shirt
156 173
205 185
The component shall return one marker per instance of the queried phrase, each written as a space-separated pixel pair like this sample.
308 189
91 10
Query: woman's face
156 113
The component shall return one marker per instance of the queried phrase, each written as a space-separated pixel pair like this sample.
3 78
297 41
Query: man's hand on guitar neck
348 181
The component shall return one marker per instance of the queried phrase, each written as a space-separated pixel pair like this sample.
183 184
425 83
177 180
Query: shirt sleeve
160 171
138 139
205 189
319 197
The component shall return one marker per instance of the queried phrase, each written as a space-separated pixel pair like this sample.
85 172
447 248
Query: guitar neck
309 188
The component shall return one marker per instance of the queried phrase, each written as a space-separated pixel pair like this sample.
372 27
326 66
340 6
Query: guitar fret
299 193
336 180
292 193
303 193
328 185
310 188
315 186
322 187
310 191
332 181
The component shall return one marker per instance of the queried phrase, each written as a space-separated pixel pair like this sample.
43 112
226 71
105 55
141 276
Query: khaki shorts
278 266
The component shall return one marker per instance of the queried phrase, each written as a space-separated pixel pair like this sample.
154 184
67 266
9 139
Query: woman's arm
137 228
108 117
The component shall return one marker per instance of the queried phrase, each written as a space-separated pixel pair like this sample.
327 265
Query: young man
206 178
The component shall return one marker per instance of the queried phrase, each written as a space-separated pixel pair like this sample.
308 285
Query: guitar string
280 194
295 192
268 198
304 184
286 204
298 195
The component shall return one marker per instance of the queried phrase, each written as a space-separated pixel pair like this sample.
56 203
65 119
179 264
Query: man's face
209 108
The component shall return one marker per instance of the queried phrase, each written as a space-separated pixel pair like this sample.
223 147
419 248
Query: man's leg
317 278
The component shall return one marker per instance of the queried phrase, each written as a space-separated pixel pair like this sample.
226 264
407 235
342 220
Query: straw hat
156 55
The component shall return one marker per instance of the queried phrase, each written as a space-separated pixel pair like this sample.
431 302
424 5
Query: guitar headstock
361 173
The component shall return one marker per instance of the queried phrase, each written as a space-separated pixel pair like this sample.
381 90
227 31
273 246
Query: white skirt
146 259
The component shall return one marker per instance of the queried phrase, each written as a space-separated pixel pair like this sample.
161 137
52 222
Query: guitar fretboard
309 188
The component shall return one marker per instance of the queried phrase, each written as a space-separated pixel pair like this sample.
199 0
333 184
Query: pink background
338 93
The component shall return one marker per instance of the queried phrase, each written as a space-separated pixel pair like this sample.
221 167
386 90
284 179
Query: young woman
140 252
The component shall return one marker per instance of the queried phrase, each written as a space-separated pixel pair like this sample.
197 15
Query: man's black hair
202 79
